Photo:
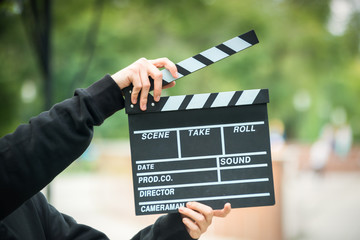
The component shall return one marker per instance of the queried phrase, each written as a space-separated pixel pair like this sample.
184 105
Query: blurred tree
36 16
14 54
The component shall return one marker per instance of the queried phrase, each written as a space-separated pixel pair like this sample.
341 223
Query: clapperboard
212 148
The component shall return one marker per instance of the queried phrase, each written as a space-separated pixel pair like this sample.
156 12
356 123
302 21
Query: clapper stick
202 60
212 55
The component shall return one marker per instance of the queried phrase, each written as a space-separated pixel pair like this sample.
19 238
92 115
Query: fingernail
157 98
143 107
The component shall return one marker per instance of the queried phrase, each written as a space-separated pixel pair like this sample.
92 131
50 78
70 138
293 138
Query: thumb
223 212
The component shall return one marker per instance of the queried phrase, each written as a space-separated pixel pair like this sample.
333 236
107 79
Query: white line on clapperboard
223 153
178 142
207 198
206 184
202 169
197 127
199 157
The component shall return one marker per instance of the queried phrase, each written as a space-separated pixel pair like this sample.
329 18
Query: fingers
169 65
145 85
166 63
156 75
223 212
139 77
170 85
197 218
192 228
138 74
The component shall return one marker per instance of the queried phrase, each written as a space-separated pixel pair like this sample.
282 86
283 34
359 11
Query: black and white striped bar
212 55
206 100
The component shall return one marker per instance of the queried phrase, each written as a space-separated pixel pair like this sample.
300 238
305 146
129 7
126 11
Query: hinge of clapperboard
191 65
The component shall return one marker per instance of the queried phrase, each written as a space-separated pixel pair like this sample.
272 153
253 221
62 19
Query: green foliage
296 55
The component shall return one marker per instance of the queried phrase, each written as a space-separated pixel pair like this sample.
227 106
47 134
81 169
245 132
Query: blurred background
308 57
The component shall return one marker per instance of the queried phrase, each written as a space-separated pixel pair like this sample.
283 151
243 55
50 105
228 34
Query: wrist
120 80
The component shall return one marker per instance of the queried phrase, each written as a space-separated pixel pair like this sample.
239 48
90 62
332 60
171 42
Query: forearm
168 227
36 152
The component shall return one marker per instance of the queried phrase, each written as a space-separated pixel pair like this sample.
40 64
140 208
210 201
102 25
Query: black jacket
37 152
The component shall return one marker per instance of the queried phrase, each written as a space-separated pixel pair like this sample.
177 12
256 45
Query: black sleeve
57 225
38 151
167 227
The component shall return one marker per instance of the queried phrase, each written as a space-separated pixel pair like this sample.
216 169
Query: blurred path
322 206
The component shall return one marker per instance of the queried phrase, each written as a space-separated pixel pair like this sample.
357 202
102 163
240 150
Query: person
35 153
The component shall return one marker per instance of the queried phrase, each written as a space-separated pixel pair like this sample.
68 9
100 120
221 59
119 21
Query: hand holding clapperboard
211 148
